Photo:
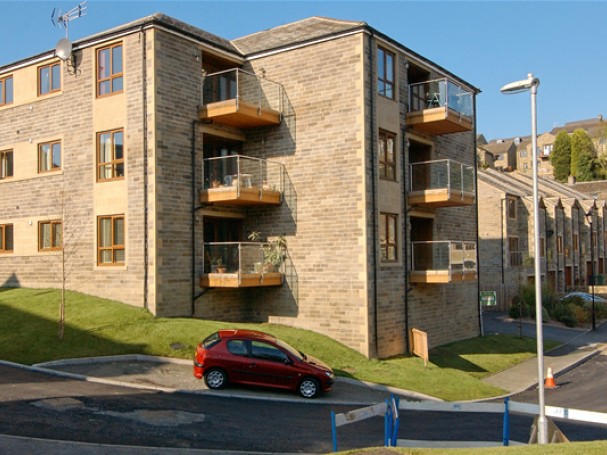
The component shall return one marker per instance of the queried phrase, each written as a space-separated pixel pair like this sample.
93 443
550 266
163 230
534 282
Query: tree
582 156
560 158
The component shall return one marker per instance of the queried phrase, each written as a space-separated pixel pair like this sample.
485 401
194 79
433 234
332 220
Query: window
266 351
50 235
385 73
511 208
49 78
542 247
6 90
49 156
559 244
110 155
110 240
237 347
516 258
109 70
387 237
575 242
6 164
6 238
523 154
387 158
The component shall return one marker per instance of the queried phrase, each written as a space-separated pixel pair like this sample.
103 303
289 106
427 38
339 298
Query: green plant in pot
274 252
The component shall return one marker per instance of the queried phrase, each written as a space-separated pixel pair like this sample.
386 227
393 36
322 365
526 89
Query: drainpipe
145 173
373 191
406 262
478 281
503 215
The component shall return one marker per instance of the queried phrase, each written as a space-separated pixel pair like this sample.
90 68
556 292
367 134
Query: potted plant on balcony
274 253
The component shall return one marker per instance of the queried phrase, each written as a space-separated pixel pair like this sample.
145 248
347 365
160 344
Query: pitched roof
298 32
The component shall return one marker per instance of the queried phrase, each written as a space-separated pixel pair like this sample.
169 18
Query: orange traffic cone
549 382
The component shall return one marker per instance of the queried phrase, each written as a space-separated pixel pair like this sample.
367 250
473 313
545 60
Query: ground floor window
6 238
50 235
110 240
387 237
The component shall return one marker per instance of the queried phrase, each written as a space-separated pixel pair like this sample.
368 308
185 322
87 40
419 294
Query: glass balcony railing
443 261
240 264
441 182
238 177
250 97
440 93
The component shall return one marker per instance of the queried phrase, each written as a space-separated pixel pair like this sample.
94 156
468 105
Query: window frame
111 77
384 163
3 237
512 208
4 164
384 245
53 224
50 67
514 252
385 82
114 162
114 247
52 168
3 98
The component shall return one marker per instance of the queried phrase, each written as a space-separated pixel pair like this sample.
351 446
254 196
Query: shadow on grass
458 355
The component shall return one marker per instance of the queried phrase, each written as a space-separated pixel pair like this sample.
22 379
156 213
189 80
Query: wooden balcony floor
440 276
439 120
441 198
242 280
239 114
243 196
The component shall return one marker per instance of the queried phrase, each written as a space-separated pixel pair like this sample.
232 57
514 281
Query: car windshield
294 352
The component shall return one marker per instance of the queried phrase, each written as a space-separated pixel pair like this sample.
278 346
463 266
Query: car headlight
328 373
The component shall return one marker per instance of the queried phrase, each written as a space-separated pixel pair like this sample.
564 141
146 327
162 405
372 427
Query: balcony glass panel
440 93
448 257
236 84
447 177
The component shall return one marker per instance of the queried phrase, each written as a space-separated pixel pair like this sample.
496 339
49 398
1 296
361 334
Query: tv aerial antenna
63 50
61 19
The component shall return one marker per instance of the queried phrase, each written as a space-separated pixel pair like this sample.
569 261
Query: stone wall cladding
41 196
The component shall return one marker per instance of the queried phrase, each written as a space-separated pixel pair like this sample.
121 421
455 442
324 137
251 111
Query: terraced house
318 174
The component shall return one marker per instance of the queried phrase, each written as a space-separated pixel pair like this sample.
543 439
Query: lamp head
521 86
589 216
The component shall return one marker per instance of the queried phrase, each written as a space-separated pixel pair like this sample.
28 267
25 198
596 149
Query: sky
487 43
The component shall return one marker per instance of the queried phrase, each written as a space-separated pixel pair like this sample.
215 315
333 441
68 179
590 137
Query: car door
271 366
237 362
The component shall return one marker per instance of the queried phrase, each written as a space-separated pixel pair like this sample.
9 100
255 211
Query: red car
257 358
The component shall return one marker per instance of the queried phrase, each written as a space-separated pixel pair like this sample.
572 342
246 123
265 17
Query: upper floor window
49 156
6 238
50 235
387 237
516 259
6 164
523 154
387 158
49 78
385 73
110 240
110 155
6 90
109 70
511 208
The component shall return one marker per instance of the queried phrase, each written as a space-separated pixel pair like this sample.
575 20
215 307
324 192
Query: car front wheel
308 388
215 378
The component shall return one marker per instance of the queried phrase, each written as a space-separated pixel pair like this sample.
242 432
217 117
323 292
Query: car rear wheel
308 388
215 378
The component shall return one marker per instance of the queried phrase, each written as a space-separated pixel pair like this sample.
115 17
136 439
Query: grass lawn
97 327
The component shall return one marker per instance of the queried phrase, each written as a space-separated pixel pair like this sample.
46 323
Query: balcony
440 107
240 99
441 183
443 262
242 180
238 265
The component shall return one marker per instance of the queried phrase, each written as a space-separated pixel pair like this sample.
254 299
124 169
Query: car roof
242 333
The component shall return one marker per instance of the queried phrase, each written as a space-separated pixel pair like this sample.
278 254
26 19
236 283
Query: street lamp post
531 84
589 218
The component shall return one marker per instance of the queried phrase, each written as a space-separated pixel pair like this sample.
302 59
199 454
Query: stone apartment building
506 234
318 174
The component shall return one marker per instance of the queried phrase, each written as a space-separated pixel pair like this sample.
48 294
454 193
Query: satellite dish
63 50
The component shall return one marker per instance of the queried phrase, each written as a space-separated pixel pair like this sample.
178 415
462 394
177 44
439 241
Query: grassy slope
94 326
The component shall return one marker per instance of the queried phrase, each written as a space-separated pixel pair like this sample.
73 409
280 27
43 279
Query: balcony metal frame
448 188
240 272
439 106
457 264
241 99
250 181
